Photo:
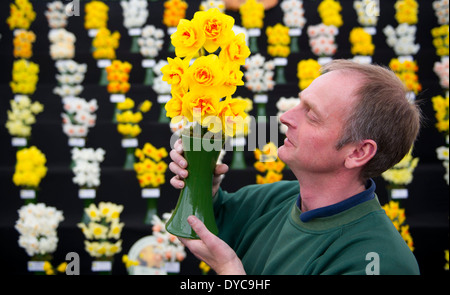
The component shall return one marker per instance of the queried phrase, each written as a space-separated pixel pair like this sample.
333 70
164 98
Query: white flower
56 15
37 225
87 166
293 13
135 13
151 41
402 39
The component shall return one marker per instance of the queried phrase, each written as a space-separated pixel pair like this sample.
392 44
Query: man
353 122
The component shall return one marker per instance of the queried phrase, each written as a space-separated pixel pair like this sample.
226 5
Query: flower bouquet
294 19
399 176
96 16
329 11
62 44
402 39
252 18
238 141
135 14
406 72
219 4
279 40
283 105
105 44
23 43
21 15
440 40
20 119
397 216
307 71
29 171
201 96
368 13
150 172
70 76
86 167
102 232
169 248
174 11
78 118
37 225
162 89
117 75
322 41
128 126
406 11
56 15
267 161
150 43
440 106
362 46
24 77
441 11
259 79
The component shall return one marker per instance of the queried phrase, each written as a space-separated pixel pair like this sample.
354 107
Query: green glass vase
149 76
196 196
280 77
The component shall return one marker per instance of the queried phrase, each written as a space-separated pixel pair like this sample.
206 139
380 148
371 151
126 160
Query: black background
426 208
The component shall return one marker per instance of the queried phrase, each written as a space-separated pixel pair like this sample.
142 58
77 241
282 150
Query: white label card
27 194
36 265
150 193
129 142
399 193
86 193
260 98
115 98
101 266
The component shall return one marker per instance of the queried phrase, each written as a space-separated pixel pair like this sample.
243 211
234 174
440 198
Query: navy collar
330 210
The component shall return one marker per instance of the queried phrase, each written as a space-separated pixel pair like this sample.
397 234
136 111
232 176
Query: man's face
315 125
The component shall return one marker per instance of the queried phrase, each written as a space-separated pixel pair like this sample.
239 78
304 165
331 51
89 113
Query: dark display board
426 207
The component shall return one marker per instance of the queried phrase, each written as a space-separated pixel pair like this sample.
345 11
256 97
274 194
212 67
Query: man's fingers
200 229
178 158
176 182
177 170
221 169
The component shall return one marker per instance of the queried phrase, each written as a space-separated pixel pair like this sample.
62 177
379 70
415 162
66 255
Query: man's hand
179 165
212 250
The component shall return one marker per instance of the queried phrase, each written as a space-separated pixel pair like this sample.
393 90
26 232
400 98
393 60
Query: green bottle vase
129 159
149 76
134 44
103 77
196 196
238 159
280 77
163 114
152 210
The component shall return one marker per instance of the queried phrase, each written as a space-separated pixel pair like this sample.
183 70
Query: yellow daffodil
329 11
279 40
118 76
361 42
406 11
21 15
307 71
406 72
96 15
174 11
30 167
150 169
252 14
217 28
440 106
105 44
402 172
397 216
174 72
188 39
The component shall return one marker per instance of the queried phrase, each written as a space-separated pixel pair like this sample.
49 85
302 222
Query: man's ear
360 153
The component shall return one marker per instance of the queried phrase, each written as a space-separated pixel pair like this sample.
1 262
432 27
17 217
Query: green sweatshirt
266 229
